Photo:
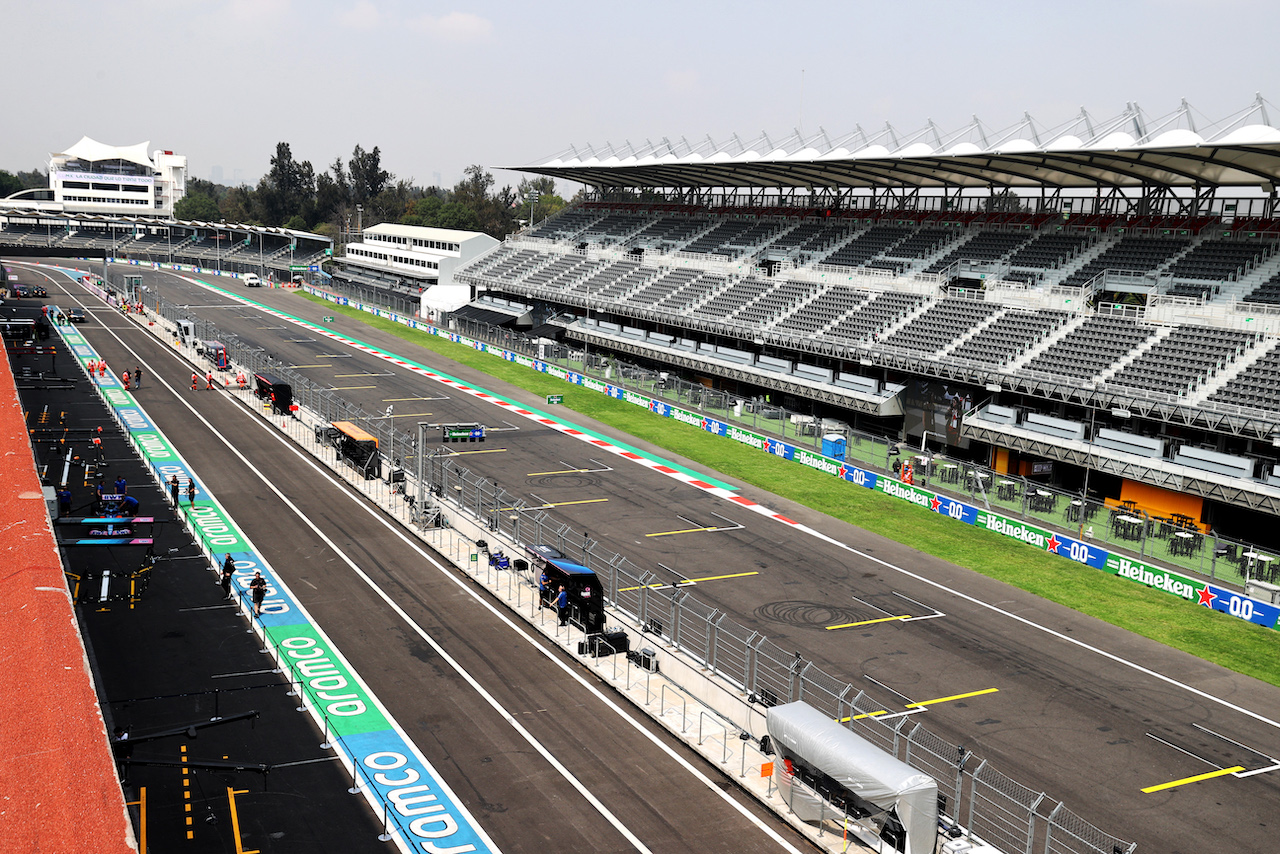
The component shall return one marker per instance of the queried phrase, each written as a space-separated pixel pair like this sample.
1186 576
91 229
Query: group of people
130 379
208 381
174 490
558 599
257 584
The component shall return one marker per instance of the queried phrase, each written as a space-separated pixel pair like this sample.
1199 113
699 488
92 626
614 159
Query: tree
237 205
36 179
494 212
368 178
197 206
548 202
287 190
9 184
1005 201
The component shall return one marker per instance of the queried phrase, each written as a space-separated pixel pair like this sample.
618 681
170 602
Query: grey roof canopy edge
1251 165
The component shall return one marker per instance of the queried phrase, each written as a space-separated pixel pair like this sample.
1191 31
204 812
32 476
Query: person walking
126 380
228 570
191 491
208 381
173 489
195 381
562 606
258 587
64 502
137 377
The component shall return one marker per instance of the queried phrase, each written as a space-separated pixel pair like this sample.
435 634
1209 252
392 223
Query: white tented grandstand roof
92 151
1122 152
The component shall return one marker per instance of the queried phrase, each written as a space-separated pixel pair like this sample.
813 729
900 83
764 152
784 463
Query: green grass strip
1216 637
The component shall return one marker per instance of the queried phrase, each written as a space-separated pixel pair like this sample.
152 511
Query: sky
439 86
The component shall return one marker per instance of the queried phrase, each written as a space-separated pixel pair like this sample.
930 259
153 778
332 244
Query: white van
251 280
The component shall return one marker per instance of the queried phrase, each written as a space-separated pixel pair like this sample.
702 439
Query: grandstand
224 247
1112 280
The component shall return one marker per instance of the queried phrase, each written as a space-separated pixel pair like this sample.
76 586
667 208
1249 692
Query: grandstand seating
1130 254
667 233
982 246
564 225
1219 259
922 243
733 298
1267 292
1049 251
941 324
1256 386
1182 361
874 316
1010 336
1087 351
867 245
775 302
827 308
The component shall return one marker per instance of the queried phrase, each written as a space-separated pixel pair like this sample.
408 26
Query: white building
91 177
421 258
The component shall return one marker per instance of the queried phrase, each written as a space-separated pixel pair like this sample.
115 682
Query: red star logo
1206 597
844 472
1053 543
934 504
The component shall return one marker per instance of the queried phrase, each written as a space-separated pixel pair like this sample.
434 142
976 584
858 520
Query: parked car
76 315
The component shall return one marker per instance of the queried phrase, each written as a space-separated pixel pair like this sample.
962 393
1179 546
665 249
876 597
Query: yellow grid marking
235 820
1196 779
557 504
687 582
869 622
685 531
919 705
952 697
561 471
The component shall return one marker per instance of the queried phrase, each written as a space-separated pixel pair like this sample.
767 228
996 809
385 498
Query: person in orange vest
242 380
126 380
195 381
102 367
208 381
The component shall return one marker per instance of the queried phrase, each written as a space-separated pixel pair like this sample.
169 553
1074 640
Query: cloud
363 16
455 27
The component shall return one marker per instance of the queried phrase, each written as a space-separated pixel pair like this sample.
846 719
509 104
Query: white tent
804 734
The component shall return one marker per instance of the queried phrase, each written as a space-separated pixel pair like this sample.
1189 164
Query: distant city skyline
438 88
